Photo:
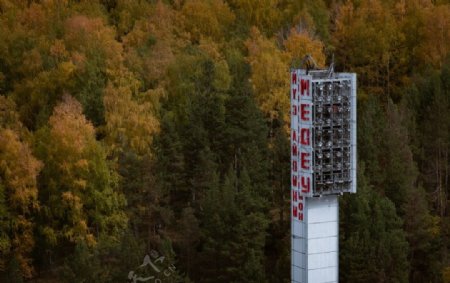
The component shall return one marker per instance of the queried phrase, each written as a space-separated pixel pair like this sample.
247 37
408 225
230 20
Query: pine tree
84 266
234 228
372 122
398 158
423 233
373 244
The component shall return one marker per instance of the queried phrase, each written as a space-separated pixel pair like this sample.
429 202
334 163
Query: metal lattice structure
334 116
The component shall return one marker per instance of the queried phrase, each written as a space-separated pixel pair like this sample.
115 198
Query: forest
149 139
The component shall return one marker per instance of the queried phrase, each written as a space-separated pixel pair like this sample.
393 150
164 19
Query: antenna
331 68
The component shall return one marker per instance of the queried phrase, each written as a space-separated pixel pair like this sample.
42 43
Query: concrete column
315 242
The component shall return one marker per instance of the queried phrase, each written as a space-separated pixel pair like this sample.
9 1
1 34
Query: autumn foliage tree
132 126
269 67
18 187
300 43
78 200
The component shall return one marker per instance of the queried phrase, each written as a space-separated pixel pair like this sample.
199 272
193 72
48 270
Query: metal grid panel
332 110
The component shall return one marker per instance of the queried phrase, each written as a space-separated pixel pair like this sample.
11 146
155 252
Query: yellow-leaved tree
270 75
270 68
263 14
368 41
78 197
18 191
436 36
131 121
210 18
300 43
150 47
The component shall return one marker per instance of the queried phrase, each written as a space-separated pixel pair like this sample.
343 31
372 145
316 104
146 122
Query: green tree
397 158
234 228
373 245
429 99
84 266
423 232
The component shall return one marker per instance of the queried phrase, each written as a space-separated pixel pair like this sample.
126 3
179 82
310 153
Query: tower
323 166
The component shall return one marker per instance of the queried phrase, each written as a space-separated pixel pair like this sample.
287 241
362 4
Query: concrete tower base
315 242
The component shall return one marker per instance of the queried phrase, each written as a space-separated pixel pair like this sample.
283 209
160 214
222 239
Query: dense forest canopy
157 131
